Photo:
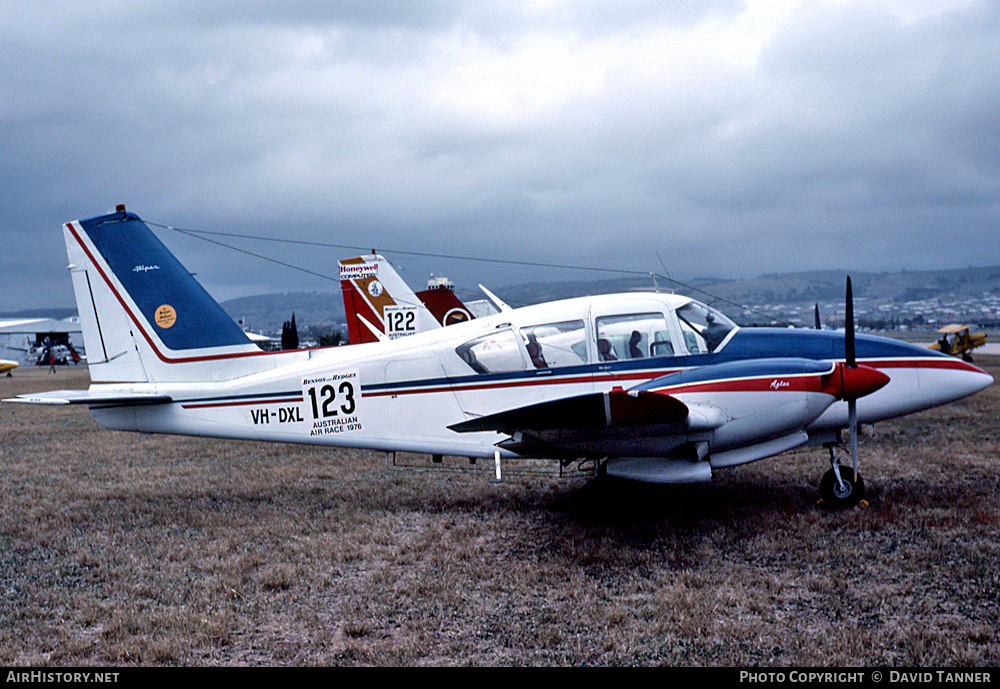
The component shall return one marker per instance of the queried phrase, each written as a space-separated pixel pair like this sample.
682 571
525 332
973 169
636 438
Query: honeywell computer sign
358 271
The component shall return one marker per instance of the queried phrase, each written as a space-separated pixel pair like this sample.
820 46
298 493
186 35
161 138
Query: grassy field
117 549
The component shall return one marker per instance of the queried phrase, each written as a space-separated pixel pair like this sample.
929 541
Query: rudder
378 303
140 309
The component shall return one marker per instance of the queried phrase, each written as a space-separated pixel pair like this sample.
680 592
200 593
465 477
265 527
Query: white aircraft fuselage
662 386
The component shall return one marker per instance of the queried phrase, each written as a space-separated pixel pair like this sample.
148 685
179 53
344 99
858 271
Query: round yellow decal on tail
165 316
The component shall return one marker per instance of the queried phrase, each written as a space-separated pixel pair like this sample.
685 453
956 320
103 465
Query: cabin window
704 328
495 352
551 345
632 336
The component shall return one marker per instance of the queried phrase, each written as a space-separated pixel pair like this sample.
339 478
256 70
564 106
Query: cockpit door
631 338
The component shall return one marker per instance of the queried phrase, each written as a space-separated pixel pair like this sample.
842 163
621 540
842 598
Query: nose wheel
841 486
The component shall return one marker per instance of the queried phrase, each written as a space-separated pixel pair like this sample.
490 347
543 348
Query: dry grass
120 549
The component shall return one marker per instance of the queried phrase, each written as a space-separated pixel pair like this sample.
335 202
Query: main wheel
847 492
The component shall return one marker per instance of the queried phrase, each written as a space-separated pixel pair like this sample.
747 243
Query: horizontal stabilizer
88 397
594 410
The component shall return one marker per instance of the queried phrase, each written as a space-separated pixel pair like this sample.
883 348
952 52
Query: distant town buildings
873 314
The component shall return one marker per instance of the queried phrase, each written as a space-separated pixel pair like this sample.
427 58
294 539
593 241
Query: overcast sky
726 138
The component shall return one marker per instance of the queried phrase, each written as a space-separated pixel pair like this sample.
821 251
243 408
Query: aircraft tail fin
377 299
448 309
141 311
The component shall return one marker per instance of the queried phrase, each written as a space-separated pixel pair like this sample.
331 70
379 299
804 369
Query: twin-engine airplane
653 387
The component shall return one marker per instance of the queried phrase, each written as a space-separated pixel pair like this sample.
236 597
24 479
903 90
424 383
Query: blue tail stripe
178 309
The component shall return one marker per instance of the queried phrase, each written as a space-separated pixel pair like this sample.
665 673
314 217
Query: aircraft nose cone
861 381
976 379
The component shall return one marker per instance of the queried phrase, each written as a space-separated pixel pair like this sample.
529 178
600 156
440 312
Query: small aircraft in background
958 340
651 387
51 351
47 341
6 366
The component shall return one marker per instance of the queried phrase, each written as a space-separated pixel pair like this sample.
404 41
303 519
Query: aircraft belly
116 419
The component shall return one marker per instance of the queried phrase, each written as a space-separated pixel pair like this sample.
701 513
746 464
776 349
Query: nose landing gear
841 486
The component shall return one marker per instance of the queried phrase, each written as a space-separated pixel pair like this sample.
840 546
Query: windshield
704 328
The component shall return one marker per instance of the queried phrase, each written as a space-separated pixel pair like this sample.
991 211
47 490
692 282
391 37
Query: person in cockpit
605 351
715 333
633 345
535 352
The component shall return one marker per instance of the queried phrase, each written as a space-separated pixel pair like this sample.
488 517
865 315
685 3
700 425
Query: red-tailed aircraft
379 305
653 387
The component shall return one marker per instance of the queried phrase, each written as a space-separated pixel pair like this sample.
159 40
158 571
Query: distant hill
269 311
266 312
820 286
56 313
791 288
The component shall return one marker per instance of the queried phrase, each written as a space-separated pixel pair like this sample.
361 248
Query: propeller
855 381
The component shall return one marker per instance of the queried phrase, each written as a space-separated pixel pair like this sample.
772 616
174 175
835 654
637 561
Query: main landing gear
841 486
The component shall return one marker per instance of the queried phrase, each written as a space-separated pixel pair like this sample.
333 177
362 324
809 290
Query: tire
848 495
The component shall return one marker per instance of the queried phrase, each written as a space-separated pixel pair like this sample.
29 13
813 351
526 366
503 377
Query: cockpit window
493 353
632 336
704 328
556 344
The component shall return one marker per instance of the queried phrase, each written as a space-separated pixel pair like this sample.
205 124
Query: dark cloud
730 138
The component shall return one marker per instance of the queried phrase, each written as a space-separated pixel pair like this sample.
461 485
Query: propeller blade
852 420
849 326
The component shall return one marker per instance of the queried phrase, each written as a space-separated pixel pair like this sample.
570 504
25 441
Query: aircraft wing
597 423
649 420
92 398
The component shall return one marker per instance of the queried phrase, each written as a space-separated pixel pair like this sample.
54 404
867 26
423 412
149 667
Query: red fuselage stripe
241 403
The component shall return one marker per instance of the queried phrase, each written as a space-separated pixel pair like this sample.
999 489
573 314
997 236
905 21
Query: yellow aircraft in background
6 366
957 340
